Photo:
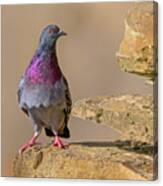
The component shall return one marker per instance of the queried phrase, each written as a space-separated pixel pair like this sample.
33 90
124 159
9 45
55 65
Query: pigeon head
49 36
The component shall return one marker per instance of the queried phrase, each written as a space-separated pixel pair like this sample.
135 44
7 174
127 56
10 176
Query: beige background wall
86 55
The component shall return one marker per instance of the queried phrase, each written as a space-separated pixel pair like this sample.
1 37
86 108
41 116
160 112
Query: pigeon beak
62 33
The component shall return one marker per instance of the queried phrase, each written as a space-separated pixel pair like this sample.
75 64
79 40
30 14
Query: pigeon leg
30 143
58 142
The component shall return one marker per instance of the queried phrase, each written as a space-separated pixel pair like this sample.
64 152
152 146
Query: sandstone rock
87 160
132 115
138 49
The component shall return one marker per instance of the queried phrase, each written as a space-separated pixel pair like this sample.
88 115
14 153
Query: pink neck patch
44 70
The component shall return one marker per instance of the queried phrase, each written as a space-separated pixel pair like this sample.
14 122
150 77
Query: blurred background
87 57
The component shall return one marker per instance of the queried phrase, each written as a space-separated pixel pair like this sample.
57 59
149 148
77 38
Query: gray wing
19 94
64 131
67 110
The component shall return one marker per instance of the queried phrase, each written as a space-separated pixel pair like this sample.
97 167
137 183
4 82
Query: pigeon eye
53 30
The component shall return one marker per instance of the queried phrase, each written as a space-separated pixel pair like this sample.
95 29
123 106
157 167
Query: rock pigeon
43 92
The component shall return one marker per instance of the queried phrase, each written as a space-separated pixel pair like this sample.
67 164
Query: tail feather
49 132
64 134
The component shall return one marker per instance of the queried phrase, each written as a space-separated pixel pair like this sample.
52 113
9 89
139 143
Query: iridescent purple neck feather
44 69
44 66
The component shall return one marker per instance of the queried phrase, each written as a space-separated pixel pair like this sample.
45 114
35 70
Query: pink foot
59 143
27 145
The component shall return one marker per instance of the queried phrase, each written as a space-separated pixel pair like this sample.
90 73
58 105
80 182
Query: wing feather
19 94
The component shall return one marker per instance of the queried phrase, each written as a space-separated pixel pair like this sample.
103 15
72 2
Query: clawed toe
27 145
59 143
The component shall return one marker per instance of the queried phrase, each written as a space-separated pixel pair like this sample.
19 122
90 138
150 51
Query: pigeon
43 92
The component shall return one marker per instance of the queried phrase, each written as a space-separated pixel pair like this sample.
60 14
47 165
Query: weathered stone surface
131 115
98 160
138 49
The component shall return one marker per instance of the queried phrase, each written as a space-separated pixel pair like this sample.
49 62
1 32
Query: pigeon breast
36 95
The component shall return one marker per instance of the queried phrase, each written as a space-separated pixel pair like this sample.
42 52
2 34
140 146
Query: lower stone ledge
89 160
